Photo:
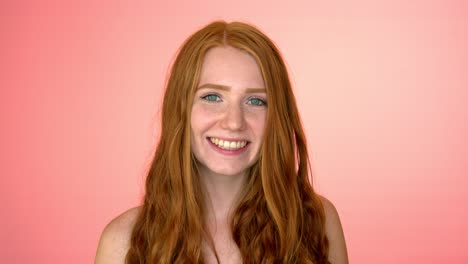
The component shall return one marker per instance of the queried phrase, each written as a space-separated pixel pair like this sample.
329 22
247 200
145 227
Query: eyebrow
227 88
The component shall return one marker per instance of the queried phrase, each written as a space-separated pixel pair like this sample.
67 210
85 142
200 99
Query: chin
229 172
224 171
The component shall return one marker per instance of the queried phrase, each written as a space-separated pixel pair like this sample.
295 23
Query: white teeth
229 145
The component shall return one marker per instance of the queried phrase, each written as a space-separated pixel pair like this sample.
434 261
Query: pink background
382 88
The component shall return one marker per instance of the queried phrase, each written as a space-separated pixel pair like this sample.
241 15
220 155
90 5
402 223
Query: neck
222 195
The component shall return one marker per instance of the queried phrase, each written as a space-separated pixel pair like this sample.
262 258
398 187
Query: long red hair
279 218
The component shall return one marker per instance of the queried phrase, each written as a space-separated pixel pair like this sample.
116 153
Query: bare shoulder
115 239
338 252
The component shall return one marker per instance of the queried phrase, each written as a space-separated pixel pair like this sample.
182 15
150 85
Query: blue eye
211 98
256 102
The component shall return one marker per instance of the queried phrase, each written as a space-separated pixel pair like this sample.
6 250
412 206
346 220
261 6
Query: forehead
230 66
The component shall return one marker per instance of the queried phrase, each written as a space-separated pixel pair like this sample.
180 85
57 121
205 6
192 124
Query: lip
227 151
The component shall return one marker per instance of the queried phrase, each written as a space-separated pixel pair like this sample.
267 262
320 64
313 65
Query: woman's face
228 113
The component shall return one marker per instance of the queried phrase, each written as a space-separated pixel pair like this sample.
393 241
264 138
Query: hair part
279 219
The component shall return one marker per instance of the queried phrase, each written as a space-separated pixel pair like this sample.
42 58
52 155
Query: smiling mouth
228 145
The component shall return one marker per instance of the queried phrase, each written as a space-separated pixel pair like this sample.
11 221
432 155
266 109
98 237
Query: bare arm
338 253
115 239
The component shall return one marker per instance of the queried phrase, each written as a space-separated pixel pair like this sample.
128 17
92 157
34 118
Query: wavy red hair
279 218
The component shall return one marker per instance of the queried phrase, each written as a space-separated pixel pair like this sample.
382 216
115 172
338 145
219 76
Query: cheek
201 119
257 123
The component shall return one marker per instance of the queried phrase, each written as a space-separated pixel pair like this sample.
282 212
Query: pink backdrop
381 86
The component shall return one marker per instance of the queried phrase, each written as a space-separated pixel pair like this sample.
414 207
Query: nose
233 118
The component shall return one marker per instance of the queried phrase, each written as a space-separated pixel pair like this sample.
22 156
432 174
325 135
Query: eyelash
262 101
205 97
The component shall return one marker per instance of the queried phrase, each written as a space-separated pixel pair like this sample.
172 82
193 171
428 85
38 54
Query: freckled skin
229 113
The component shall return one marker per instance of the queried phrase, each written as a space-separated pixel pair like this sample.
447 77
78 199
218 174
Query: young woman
229 182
